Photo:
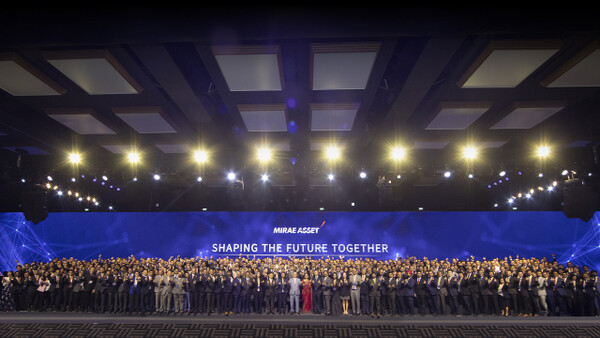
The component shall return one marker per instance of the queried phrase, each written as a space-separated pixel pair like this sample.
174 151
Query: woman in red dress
306 294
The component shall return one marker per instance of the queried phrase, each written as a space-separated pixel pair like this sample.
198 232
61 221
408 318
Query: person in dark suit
258 292
209 288
442 286
193 284
524 299
421 292
390 285
513 291
400 308
236 291
270 293
100 291
465 293
551 293
282 293
433 294
409 293
227 294
218 292
247 282
563 292
474 278
453 295
86 294
375 295
317 303
493 284
485 291
534 293
364 292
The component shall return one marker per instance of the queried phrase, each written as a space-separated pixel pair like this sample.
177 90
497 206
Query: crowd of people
333 286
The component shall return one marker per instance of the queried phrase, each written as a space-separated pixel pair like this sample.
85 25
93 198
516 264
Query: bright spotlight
23 180
264 177
470 153
104 178
447 174
200 156
527 195
550 188
156 177
496 205
398 153
540 175
564 172
134 179
74 158
110 207
471 176
49 178
332 153
231 176
502 173
362 174
199 179
264 154
543 151
133 157
510 201
73 179
59 193
554 184
330 177
398 176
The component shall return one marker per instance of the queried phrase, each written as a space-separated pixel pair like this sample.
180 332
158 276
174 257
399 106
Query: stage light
59 193
104 177
531 191
204 209
23 180
471 176
263 154
82 176
540 189
447 174
133 157
231 176
564 172
543 151
76 194
554 184
86 209
519 195
96 203
156 177
470 153
199 179
88 198
514 208
80 199
48 185
398 153
73 179
74 158
321 208
135 179
118 189
330 177
420 208
110 207
502 173
94 179
49 178
540 175
510 201
69 192
496 205
362 174
332 153
200 156
590 174
550 188
527 195
264 177
352 204
398 176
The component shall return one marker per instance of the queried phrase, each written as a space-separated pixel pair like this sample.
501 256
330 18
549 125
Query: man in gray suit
355 281
327 283
165 295
159 285
178 293
294 283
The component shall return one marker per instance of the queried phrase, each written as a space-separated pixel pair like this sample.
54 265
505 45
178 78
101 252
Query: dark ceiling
422 90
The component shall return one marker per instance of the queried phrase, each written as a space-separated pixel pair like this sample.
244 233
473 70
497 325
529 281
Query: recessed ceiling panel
250 68
19 78
491 144
346 66
430 144
117 148
456 118
81 123
97 72
526 117
582 73
30 150
501 66
145 120
333 117
264 118
173 148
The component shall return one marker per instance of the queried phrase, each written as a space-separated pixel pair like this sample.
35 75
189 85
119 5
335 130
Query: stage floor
61 324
